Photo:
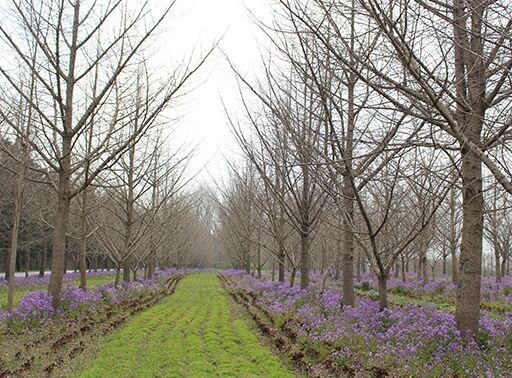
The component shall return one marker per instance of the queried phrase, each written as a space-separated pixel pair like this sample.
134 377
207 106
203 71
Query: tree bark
281 266
382 281
13 247
59 238
470 75
304 257
82 252
467 310
497 265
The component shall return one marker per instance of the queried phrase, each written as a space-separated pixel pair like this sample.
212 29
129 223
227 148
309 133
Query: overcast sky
196 24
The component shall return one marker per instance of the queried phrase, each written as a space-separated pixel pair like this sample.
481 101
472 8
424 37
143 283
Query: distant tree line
84 110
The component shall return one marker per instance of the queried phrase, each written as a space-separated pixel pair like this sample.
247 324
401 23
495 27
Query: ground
193 333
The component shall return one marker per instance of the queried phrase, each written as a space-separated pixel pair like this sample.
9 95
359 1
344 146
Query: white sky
196 24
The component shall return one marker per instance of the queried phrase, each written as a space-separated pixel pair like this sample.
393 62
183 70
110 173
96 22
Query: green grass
192 334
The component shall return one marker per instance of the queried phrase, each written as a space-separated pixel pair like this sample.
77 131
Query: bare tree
291 121
67 34
449 66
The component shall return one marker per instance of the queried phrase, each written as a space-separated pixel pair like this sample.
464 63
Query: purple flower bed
35 308
34 281
491 291
409 340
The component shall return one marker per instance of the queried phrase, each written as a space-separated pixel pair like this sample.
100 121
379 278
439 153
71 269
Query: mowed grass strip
192 334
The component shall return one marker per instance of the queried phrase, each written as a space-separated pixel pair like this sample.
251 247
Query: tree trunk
424 266
348 269
383 291
497 265
40 261
280 263
348 241
503 269
126 270
292 277
151 266
470 77
467 310
403 266
59 241
13 248
304 258
82 251
118 275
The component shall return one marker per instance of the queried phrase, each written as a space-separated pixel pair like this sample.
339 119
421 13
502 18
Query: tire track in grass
191 334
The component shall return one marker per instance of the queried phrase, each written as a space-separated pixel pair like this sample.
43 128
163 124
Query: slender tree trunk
403 266
292 276
40 261
504 265
151 266
424 266
82 251
304 257
59 232
348 244
382 280
118 275
13 248
497 264
126 270
281 266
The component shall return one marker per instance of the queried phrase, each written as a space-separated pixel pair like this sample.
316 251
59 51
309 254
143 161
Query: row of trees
140 217
83 106
385 124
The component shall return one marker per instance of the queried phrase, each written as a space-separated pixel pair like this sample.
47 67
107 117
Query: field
37 340
232 324
193 333
416 336
25 285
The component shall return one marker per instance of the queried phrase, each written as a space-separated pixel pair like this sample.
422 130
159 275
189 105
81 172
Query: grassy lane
191 334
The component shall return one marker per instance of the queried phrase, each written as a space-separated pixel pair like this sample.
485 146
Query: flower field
37 340
415 337
407 339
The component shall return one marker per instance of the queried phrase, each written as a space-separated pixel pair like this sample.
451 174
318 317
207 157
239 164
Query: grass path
192 334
